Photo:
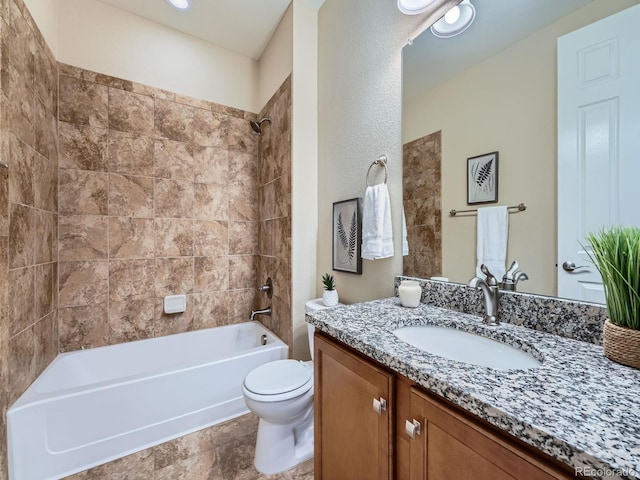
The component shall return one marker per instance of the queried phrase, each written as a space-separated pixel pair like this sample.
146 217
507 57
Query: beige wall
506 103
276 62
359 108
104 39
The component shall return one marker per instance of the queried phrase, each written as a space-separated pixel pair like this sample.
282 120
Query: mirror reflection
491 89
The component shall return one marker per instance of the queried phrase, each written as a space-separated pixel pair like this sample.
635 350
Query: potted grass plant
330 294
616 255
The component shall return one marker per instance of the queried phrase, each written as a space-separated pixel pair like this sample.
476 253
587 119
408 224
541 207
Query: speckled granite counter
578 406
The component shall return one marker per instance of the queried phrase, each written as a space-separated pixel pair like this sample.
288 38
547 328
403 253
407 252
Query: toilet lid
277 377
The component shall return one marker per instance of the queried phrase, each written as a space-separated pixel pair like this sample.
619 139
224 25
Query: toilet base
281 447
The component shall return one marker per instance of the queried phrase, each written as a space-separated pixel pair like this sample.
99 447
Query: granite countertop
578 406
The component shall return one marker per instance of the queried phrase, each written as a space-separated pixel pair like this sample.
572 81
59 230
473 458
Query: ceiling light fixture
180 4
414 7
455 21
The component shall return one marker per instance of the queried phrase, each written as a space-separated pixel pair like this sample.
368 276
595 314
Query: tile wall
28 207
421 182
158 196
274 212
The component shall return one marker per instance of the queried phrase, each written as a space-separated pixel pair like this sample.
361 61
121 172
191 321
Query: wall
45 15
94 35
421 199
359 108
274 211
28 208
157 197
515 114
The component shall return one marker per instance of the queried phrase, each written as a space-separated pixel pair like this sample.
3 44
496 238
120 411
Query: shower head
257 126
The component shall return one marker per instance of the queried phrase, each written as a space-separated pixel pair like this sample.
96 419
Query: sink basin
466 347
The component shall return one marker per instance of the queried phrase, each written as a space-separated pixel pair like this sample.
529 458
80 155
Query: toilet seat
278 380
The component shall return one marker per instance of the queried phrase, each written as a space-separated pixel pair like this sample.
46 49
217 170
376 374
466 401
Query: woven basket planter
621 344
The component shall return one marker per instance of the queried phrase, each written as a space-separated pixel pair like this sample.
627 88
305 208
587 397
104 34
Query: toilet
280 393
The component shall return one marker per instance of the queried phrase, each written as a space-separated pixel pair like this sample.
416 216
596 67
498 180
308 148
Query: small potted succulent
616 255
330 295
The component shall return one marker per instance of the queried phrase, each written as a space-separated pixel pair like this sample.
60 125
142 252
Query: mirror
492 88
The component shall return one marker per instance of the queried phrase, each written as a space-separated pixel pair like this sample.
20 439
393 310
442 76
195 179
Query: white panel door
598 142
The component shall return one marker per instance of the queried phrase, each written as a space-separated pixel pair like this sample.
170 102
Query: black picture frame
347 236
482 179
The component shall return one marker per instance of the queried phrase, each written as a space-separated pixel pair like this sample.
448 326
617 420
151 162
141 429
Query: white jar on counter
410 293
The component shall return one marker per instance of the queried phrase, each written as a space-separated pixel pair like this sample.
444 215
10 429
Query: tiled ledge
567 318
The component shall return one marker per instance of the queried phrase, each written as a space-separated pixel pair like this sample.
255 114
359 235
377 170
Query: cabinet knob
379 405
412 428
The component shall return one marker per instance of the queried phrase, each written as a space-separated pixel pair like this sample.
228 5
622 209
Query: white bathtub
93 406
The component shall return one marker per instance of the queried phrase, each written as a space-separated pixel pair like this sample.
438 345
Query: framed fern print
482 178
347 235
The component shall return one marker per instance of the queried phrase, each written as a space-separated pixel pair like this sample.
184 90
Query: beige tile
266 237
138 466
130 154
240 136
173 121
174 198
83 102
241 302
210 309
173 160
83 192
21 293
131 319
83 327
21 241
282 237
173 237
211 202
45 184
130 196
22 362
242 271
82 147
197 467
130 112
83 283
282 187
21 158
182 448
173 276
46 78
131 279
268 201
46 132
18 106
211 165
46 341
131 237
82 237
4 202
211 274
211 238
210 128
243 238
243 169
243 204
44 237
44 290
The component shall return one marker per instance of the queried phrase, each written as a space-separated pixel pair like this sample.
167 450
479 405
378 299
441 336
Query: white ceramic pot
330 298
410 293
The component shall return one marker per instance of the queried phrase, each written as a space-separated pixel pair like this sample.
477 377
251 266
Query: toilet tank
313 306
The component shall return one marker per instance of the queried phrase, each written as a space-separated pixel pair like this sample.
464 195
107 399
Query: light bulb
452 15
180 4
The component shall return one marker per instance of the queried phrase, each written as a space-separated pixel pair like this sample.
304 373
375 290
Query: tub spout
264 311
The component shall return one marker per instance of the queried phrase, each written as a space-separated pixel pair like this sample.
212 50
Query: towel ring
381 161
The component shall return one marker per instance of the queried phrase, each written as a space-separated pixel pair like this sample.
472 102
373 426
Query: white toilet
280 393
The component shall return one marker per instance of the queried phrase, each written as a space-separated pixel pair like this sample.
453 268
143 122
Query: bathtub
96 405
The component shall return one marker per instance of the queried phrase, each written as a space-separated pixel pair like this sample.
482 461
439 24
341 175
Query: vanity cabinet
446 443
353 403
416 436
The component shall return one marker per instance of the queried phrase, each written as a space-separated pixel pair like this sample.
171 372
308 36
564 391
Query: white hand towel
493 232
405 242
377 235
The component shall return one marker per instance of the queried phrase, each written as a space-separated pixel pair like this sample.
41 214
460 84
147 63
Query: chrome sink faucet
490 293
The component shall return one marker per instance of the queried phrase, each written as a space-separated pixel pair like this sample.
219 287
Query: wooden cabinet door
454 446
353 441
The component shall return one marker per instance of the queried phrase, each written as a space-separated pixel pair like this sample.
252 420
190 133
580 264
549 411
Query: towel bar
521 207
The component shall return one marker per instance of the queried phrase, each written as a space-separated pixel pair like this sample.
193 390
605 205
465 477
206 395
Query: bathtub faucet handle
267 287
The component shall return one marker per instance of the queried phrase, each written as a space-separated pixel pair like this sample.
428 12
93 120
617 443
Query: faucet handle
491 280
